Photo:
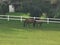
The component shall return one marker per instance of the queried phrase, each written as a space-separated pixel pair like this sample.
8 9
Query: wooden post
47 20
8 18
34 18
21 19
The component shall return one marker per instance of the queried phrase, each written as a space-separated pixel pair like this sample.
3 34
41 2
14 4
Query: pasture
13 33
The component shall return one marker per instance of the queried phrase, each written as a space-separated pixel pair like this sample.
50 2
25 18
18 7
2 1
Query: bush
4 8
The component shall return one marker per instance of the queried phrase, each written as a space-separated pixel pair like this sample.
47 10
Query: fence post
21 19
47 20
34 18
8 17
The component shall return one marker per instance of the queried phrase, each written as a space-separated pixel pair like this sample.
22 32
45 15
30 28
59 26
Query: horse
28 21
38 22
33 21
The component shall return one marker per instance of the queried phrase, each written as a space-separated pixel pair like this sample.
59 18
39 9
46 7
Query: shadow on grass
8 26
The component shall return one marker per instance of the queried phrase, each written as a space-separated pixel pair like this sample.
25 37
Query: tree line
34 7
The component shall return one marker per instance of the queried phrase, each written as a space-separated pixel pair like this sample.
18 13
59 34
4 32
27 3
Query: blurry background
51 8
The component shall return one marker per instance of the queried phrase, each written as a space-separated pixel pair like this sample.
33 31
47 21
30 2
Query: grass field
19 14
13 33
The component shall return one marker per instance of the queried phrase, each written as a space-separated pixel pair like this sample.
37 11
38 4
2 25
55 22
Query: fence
21 18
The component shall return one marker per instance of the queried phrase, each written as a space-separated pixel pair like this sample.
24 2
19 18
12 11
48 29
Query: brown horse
32 21
28 21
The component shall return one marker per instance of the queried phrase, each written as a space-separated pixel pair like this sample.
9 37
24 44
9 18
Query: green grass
26 15
13 33
19 14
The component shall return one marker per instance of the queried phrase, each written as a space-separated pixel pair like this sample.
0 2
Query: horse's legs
34 24
40 24
24 24
37 24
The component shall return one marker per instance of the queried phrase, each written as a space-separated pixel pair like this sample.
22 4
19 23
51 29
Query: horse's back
30 20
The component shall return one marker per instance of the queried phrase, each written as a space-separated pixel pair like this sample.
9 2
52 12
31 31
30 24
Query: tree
39 7
35 12
57 13
4 8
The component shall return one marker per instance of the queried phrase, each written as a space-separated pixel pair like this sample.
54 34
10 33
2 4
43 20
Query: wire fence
21 18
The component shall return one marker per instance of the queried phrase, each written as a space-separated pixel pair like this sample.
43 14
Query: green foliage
57 13
35 12
25 6
4 8
43 6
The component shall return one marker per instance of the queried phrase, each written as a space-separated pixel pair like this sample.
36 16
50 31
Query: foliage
35 12
57 14
4 8
36 7
31 6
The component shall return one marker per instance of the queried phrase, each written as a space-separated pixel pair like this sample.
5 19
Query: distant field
13 33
